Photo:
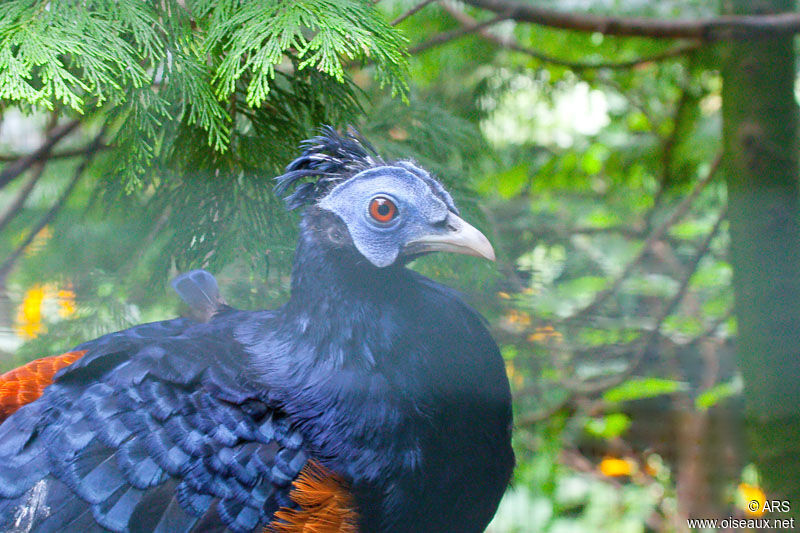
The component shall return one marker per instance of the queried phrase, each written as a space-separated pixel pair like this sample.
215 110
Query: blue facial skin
420 211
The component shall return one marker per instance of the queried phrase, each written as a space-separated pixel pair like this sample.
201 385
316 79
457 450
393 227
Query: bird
373 400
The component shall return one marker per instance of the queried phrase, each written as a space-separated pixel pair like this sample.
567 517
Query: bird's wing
152 429
18 387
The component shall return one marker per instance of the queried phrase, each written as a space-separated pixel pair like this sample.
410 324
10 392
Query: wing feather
25 384
153 429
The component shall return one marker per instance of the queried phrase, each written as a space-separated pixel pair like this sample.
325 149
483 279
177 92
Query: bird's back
190 426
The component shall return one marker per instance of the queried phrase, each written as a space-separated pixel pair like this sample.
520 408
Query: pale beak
459 237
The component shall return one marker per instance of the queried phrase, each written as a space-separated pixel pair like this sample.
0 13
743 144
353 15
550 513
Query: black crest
329 157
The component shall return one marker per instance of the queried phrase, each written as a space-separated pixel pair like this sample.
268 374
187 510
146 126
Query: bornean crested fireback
374 400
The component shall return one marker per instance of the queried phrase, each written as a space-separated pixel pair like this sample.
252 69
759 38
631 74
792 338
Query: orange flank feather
325 505
26 383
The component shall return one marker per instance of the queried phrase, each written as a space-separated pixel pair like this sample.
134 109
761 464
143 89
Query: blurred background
633 177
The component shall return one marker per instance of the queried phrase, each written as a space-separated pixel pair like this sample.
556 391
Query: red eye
382 209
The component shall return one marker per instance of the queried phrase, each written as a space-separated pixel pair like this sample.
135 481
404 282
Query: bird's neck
330 278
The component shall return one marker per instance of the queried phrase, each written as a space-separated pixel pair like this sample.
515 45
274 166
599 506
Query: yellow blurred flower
519 318
751 493
29 322
544 334
503 295
616 467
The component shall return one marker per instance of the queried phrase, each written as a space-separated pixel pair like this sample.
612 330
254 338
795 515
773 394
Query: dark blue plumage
116 435
377 374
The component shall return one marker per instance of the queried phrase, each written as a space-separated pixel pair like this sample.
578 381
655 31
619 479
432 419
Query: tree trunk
761 169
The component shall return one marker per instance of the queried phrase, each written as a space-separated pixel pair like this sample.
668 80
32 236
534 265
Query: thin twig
448 36
654 236
530 419
64 154
21 165
411 12
19 201
11 260
666 155
670 53
16 204
690 270
508 270
596 386
575 460
712 327
635 100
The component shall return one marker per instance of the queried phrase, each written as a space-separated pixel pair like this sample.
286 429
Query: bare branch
690 270
21 165
510 44
16 205
712 327
666 154
544 413
446 37
411 12
586 388
676 51
656 235
634 99
14 256
703 29
63 154
502 264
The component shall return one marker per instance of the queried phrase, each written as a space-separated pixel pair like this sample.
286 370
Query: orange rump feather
26 383
325 505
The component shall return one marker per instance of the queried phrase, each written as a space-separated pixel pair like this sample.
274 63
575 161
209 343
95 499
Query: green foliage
608 427
74 53
148 65
263 33
716 394
637 389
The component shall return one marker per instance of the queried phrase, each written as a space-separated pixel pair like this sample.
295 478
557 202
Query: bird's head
391 211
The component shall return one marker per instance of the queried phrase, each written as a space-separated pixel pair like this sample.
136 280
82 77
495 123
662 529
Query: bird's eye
382 209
